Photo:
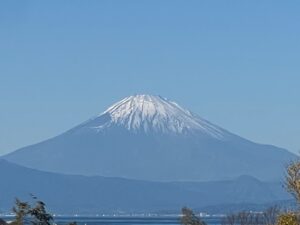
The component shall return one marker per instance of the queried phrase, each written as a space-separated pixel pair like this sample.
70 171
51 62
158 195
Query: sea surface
126 220
130 220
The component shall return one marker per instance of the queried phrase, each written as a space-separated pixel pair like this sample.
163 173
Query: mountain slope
150 138
91 195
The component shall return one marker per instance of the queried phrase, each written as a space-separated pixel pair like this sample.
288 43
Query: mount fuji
148 137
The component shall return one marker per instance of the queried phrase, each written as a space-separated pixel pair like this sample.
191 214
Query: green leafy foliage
189 218
21 211
36 215
289 218
292 180
40 215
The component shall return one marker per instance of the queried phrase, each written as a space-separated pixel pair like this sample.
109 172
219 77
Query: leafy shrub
288 218
189 218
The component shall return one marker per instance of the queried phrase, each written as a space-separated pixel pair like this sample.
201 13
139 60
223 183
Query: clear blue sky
235 63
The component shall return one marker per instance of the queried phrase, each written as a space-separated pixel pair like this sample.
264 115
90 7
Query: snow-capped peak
150 113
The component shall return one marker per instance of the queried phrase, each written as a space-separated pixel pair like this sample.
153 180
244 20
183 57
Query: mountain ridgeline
148 137
73 194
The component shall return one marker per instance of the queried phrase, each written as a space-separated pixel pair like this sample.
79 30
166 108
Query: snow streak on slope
150 113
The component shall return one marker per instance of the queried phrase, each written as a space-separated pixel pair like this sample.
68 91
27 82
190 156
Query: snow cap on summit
151 113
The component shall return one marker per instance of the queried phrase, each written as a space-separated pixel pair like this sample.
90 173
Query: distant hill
151 138
87 195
